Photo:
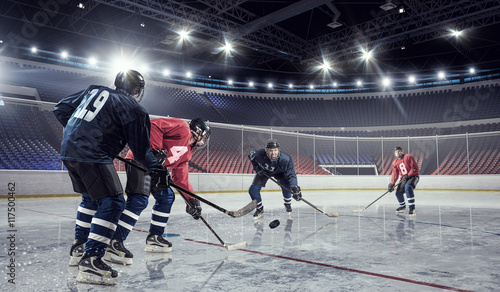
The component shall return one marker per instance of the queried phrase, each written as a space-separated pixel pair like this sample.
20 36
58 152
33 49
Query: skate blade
157 249
73 261
84 277
258 217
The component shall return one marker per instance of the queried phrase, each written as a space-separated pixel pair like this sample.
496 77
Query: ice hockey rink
451 245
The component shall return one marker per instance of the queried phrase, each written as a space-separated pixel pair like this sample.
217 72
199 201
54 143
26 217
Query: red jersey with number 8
402 166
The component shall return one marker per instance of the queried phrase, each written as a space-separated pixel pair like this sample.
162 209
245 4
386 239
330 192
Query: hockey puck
274 224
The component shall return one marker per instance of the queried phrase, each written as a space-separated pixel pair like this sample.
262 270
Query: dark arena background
339 84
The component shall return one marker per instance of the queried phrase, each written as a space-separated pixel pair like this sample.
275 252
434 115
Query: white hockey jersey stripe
131 215
104 223
125 225
161 224
86 211
99 238
82 223
162 214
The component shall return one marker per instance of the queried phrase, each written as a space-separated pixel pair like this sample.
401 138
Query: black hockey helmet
200 131
272 143
400 155
130 82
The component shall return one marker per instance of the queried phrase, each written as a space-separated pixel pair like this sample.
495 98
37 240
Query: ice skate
259 213
118 253
156 243
93 270
412 212
401 210
76 252
288 208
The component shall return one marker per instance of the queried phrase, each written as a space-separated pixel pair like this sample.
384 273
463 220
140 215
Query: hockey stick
333 214
361 210
226 246
235 214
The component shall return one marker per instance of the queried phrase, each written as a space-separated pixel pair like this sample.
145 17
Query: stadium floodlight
34 50
311 86
335 84
121 64
472 71
166 72
359 83
386 82
250 83
290 86
92 61
441 75
367 55
81 5
401 10
64 55
230 82
228 48
184 34
456 33
412 79
189 74
326 66
269 85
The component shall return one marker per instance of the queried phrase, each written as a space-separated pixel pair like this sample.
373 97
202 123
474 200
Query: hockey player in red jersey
405 166
173 141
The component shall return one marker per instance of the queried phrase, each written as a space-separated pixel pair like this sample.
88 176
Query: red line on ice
343 268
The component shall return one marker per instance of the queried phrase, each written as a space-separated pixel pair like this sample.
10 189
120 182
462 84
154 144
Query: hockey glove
390 188
259 170
161 156
160 179
296 194
404 179
251 156
195 210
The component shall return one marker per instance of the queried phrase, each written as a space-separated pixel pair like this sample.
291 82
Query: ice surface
452 244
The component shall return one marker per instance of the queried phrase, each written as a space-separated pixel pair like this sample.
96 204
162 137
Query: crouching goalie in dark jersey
271 162
98 122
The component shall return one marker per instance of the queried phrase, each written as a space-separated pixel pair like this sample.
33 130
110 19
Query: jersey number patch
402 167
177 152
88 113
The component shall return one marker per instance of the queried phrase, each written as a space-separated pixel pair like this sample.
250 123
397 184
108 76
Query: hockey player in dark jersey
173 141
271 162
405 166
99 122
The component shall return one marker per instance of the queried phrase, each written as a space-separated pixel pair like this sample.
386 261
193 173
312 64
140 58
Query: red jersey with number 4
173 135
402 166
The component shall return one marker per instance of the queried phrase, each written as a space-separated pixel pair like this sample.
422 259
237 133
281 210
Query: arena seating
31 135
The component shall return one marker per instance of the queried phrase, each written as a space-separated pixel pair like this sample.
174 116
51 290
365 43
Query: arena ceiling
273 40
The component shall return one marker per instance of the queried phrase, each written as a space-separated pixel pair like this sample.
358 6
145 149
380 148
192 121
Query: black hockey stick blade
245 210
226 246
333 214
